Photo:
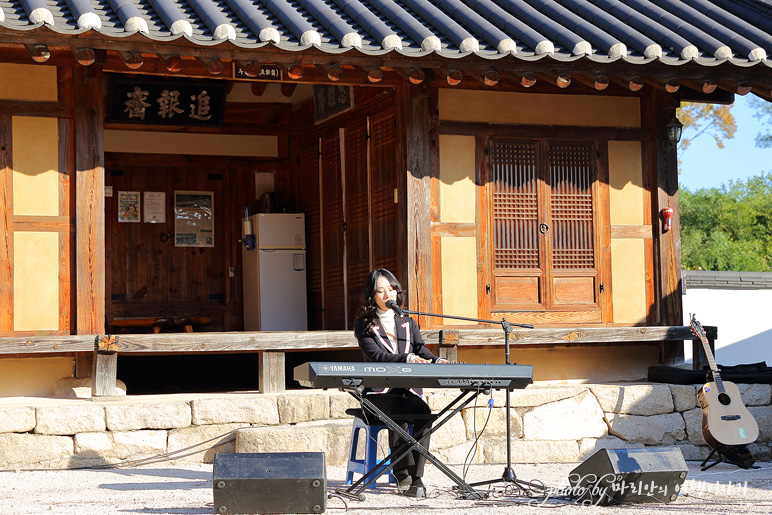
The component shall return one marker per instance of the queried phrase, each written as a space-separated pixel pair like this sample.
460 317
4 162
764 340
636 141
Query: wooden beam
295 71
414 76
214 66
270 374
6 224
596 82
39 53
172 62
488 78
418 173
84 56
288 88
763 90
453 76
669 243
132 60
526 79
706 86
89 200
669 85
634 83
333 72
258 88
373 74
561 80
251 68
738 88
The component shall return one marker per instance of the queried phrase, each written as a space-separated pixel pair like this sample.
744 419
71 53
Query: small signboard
331 100
145 102
267 72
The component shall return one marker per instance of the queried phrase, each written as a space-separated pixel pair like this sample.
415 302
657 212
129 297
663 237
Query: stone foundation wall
549 424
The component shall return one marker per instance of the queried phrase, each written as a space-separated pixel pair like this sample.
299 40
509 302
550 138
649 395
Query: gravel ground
170 488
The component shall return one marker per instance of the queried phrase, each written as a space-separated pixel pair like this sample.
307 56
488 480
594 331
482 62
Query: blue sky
704 165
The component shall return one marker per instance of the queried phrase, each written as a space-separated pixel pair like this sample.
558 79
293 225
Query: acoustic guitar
725 419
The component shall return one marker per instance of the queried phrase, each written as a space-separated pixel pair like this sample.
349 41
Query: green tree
729 227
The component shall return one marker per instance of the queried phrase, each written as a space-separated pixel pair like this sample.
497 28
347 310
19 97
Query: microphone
393 305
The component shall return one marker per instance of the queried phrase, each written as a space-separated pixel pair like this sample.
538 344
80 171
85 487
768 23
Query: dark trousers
407 408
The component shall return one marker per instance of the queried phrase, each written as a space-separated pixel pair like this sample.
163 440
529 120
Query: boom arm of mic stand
507 326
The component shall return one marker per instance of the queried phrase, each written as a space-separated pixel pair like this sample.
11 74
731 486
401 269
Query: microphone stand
509 473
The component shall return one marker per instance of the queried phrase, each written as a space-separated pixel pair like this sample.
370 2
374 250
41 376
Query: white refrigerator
275 274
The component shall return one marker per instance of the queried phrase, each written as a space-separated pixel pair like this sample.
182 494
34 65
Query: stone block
763 416
761 451
120 445
664 429
203 441
460 454
639 399
684 397
475 419
17 419
693 452
532 451
537 395
438 399
304 407
693 425
165 415
69 420
569 419
42 451
339 403
80 387
755 394
452 433
329 437
250 409
589 446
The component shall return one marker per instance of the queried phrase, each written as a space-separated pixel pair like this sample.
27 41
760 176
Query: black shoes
416 488
403 481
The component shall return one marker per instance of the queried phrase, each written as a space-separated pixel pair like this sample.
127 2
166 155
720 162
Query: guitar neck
700 333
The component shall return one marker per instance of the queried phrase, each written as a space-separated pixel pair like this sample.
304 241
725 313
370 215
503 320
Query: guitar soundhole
724 399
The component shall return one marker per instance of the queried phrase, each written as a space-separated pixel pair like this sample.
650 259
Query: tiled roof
706 279
705 32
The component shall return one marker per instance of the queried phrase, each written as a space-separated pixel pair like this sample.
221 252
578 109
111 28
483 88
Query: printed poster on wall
194 219
128 206
155 207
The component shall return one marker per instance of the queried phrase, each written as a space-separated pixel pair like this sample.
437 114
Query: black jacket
376 346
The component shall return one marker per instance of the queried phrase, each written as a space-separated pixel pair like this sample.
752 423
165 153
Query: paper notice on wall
128 206
193 219
155 207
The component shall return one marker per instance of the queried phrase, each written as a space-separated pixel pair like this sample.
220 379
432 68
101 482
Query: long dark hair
366 312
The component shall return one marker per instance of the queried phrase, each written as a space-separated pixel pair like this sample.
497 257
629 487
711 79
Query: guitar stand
737 455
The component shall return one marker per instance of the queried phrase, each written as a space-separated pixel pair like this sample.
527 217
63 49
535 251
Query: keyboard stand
409 443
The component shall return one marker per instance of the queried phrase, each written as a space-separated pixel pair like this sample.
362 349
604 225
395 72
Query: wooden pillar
271 371
448 345
419 163
90 223
668 244
89 200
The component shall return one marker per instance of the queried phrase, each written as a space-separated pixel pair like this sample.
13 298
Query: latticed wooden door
544 237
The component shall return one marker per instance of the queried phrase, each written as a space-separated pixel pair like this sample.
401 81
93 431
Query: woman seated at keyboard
385 336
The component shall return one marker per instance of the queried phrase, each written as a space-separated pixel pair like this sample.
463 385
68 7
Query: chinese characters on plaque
330 101
166 103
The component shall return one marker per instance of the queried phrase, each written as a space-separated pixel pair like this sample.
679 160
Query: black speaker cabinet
612 476
285 482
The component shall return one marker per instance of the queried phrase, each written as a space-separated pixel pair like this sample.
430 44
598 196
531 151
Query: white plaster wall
743 318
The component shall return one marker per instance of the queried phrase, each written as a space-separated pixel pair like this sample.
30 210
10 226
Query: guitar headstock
697 329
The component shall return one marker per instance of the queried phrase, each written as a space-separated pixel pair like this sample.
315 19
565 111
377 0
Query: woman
386 337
